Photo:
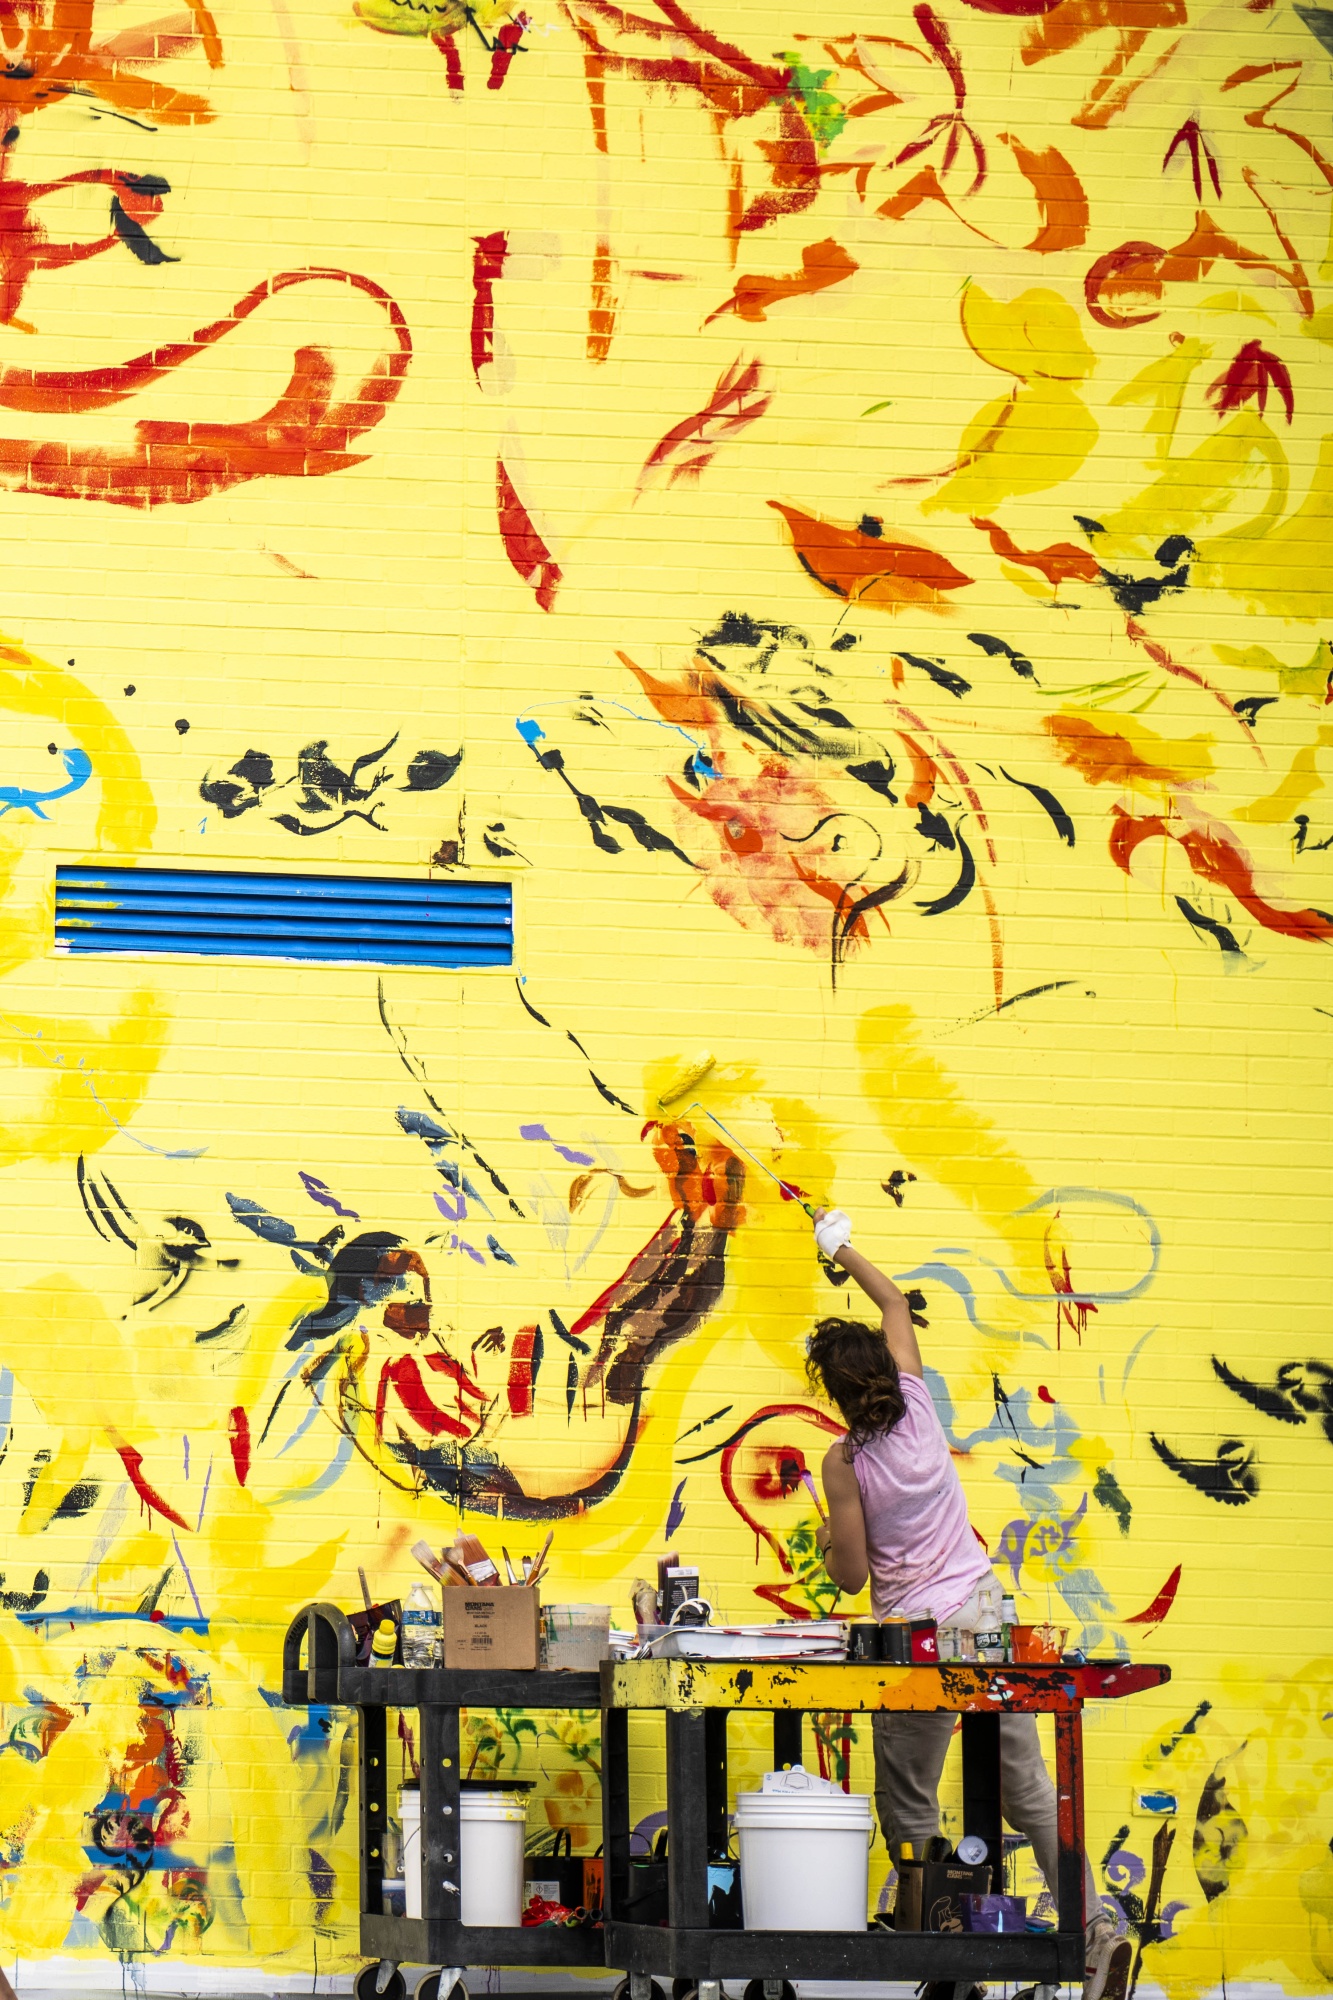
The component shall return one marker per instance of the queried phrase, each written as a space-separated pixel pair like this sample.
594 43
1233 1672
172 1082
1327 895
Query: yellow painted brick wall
853 484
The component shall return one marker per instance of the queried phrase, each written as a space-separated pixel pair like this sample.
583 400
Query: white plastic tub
490 1855
575 1636
805 1854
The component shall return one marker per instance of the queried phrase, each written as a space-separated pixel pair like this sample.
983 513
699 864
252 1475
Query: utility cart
436 1941
698 1695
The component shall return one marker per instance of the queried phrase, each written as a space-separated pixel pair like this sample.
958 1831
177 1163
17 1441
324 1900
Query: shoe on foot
1106 1963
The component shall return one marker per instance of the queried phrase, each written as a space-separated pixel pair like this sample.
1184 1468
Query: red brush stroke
740 397
238 1437
488 263
523 545
1216 856
733 86
447 44
132 1461
602 304
405 1378
520 1371
508 44
1161 1604
304 434
1250 376
728 1460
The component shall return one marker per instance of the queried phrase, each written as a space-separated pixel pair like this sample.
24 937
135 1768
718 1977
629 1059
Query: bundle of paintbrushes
466 1561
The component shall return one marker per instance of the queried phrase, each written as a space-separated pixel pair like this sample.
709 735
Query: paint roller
694 1073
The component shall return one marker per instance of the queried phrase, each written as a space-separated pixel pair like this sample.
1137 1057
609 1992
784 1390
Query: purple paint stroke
565 1152
321 1192
459 1243
450 1213
208 1478
185 1571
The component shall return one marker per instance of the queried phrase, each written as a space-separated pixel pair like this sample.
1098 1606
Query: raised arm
833 1234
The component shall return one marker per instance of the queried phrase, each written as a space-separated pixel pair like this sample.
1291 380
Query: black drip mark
704 1422
1049 804
962 888
999 649
131 689
133 234
1228 1477
1210 927
942 676
603 1090
182 726
416 1070
645 834
1247 708
231 1324
1189 1728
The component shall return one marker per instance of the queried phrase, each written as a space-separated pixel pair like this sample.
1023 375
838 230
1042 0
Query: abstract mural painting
833 507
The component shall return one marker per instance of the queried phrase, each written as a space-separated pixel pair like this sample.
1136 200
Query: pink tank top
924 1558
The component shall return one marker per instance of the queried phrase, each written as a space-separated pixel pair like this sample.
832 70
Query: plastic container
421 1628
575 1636
490 1846
805 1854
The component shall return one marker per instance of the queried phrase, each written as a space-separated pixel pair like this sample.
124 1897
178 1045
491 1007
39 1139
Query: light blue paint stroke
301 1428
185 1571
500 1254
532 734
113 1517
79 768
1059 1198
80 1070
6 1404
957 1281
1135 1351
322 1484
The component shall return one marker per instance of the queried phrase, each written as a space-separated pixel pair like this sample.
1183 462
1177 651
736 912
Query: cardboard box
490 1628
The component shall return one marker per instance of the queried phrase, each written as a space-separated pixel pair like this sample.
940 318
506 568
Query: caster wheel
755 1990
684 1989
621 1990
430 1988
366 1985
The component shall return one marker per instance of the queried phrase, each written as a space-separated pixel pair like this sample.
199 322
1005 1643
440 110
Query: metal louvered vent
367 920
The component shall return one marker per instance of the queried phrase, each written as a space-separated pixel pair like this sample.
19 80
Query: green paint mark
877 406
821 110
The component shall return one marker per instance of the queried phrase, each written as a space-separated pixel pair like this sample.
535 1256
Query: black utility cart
698 1695
435 1940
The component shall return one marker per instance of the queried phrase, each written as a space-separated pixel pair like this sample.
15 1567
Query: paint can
923 1642
863 1642
895 1641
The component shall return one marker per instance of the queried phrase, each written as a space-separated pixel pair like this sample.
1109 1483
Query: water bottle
421 1628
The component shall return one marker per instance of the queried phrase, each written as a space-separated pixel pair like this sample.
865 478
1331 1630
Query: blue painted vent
370 920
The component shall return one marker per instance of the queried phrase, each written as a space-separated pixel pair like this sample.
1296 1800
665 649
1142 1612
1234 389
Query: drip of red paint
132 1461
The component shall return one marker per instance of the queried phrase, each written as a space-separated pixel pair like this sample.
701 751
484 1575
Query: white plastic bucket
805 1855
490 1851
491 1857
409 1816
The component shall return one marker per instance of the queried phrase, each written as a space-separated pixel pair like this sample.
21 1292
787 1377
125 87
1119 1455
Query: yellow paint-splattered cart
436 1941
697 1696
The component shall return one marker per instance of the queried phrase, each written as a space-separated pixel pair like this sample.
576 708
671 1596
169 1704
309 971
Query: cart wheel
621 1990
684 1989
428 1988
755 1990
366 1985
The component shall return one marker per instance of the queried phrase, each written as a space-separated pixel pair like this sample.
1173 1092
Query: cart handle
330 1646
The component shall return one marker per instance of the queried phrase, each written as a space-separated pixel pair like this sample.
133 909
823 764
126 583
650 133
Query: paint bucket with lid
493 1820
805 1854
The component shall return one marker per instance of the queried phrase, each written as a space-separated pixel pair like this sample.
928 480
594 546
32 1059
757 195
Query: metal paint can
863 1642
895 1641
923 1642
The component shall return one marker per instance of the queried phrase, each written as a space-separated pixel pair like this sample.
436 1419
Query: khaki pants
910 1749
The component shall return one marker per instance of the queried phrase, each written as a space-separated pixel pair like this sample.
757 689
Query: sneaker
1106 1964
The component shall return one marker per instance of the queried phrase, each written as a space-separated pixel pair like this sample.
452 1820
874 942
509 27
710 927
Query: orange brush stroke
822 265
1061 202
870 569
1216 856
1058 563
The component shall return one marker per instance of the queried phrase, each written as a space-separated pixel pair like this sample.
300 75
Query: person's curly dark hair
850 1363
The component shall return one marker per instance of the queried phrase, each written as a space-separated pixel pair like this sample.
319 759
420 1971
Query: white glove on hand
833 1231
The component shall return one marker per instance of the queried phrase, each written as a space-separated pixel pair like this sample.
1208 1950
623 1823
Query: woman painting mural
897 1514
